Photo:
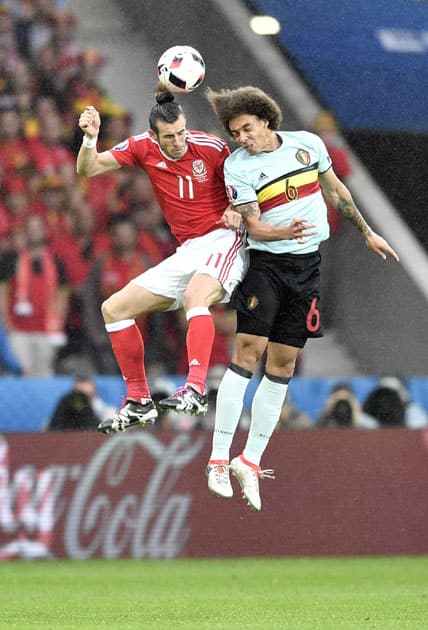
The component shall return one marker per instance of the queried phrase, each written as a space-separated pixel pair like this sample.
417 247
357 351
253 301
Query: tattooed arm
298 229
338 196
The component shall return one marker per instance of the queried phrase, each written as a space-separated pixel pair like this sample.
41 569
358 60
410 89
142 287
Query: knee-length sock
199 342
265 412
230 401
128 347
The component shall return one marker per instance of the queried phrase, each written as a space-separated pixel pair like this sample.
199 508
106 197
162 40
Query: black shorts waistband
261 253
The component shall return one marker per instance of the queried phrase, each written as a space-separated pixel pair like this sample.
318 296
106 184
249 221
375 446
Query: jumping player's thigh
202 290
257 304
132 301
221 255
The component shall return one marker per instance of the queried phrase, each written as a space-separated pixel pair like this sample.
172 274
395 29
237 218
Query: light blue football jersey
285 185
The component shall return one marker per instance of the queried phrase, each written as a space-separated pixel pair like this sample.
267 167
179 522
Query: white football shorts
220 254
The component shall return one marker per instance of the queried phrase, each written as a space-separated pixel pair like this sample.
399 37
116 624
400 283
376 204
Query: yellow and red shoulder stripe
289 187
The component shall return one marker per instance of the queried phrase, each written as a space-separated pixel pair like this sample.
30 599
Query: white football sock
265 412
230 400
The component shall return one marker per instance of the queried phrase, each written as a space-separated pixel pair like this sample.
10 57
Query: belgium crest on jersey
303 157
252 302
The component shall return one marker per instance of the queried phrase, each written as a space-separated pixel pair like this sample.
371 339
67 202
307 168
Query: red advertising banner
143 494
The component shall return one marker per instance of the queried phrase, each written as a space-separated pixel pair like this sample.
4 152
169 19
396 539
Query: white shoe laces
221 472
267 473
252 483
248 476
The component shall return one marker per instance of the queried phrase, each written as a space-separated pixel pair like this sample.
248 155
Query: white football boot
219 484
248 476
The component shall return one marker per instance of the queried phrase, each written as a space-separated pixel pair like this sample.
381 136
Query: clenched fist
90 121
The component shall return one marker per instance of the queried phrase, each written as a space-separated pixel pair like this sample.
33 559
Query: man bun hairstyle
163 94
166 108
228 104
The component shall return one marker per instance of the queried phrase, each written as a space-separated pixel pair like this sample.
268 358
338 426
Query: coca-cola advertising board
143 494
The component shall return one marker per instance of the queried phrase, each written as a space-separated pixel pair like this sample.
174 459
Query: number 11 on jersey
185 187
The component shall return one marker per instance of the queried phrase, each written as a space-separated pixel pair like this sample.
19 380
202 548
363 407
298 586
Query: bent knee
202 290
282 364
106 311
111 311
248 351
287 369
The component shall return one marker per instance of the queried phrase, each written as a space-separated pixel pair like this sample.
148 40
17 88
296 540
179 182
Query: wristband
89 143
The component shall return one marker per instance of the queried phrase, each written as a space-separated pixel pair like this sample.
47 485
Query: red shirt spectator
15 155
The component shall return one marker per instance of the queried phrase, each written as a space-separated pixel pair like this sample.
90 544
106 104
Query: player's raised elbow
82 169
88 170
99 164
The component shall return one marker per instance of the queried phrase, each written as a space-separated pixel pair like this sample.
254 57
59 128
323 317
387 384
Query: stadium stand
31 407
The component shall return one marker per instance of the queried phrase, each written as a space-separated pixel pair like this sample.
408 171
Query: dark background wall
399 163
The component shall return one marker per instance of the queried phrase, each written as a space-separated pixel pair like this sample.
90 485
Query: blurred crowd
388 405
68 243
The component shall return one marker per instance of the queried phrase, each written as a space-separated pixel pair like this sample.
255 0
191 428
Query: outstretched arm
298 229
339 197
89 161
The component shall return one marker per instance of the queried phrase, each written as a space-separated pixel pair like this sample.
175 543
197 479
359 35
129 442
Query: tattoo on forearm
249 209
348 209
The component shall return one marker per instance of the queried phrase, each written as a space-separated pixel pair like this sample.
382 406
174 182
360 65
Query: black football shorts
279 298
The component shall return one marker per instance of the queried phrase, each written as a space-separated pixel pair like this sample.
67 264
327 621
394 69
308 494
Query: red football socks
199 341
128 348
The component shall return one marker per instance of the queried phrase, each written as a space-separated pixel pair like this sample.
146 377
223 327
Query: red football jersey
190 190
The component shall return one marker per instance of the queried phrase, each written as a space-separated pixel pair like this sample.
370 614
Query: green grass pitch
336 593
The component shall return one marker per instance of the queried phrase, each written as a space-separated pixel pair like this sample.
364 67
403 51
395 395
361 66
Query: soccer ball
181 69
